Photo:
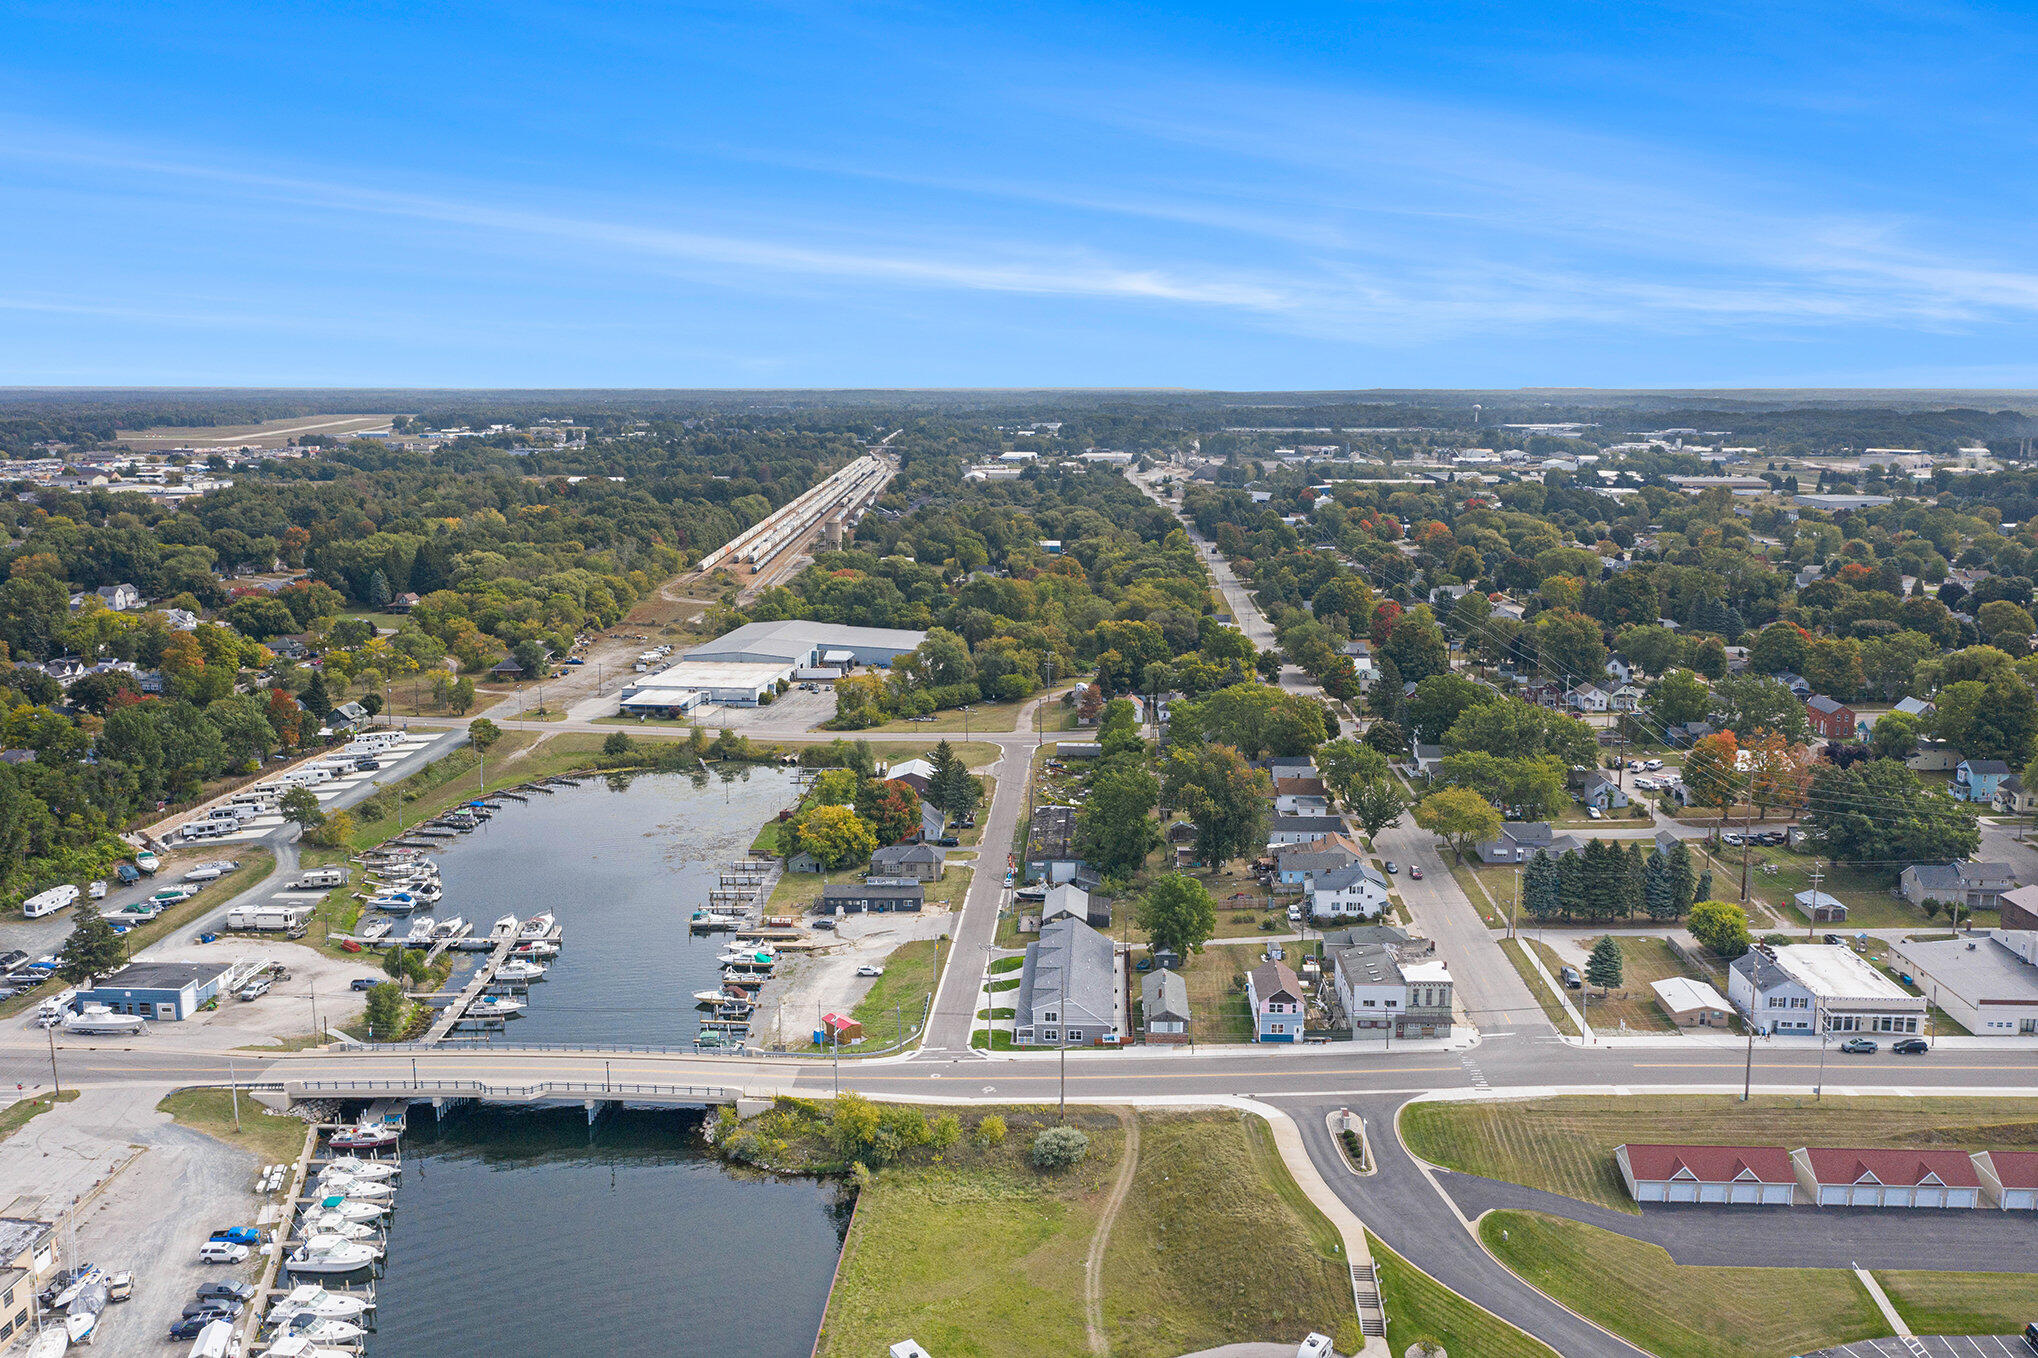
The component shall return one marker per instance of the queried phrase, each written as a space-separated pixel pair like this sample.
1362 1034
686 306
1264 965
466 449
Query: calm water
622 868
530 1233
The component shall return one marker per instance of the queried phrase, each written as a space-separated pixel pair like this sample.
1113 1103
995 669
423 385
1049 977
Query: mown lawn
1566 1145
270 1138
1962 1303
1216 980
1679 1310
1643 959
1421 1310
1188 1266
1517 953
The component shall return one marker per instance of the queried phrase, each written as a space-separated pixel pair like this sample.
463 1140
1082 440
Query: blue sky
755 194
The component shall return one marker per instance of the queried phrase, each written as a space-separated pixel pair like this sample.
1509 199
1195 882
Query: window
1075 1034
1050 1035
1050 1017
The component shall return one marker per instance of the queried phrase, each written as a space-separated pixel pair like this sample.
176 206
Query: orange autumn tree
1713 771
1778 773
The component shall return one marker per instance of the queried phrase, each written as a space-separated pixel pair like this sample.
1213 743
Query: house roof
1964 873
162 975
1071 966
1368 964
910 853
1343 879
1913 707
1300 787
1819 702
1164 995
1836 1165
1275 979
1328 825
860 891
1985 766
1710 1164
1681 995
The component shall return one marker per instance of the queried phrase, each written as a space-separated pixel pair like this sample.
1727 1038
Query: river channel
534 1233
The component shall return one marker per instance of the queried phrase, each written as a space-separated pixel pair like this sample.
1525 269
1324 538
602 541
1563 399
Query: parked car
827 924
119 1286
239 1235
1572 980
365 983
253 990
1391 868
222 1307
870 969
367 765
949 842
222 1252
1653 764
1594 813
190 1327
1861 1046
1910 1046
1415 872
231 1291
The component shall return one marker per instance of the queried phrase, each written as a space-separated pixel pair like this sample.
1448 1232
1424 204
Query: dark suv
1911 1046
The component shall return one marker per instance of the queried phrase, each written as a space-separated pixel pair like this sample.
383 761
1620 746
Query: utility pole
51 1030
1748 1069
1811 916
1819 1016
1515 918
234 1080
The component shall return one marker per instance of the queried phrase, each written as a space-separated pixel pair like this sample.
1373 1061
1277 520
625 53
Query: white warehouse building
1804 987
800 644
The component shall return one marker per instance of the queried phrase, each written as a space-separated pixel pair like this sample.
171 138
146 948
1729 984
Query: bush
1059 1147
947 1131
991 1131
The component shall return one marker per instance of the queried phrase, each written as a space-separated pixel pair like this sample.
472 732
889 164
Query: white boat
347 1209
375 929
367 1136
328 1254
449 928
361 1169
50 1343
349 1187
84 1278
542 949
327 1223
297 1346
97 1019
504 927
495 1006
517 969
320 1329
313 1299
82 1317
537 926
214 1341
709 997
420 931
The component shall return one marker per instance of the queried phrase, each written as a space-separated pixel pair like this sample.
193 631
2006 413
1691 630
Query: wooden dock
476 984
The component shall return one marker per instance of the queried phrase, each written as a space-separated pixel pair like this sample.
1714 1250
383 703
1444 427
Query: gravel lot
826 982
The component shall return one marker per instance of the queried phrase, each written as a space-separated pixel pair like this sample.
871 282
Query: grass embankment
1643 959
22 1111
1962 1303
271 1138
1566 1145
977 1254
455 777
1680 1310
1517 953
1420 1310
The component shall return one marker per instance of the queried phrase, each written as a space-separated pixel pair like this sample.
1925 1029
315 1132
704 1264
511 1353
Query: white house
1358 891
1588 698
1805 988
1618 668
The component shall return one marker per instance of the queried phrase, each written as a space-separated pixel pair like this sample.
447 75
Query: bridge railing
482 1089
511 1048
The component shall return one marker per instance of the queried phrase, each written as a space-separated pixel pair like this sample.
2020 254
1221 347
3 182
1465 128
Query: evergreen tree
316 701
1604 968
93 950
378 590
430 570
1541 889
1703 892
1571 884
1635 881
1602 879
1658 888
1683 878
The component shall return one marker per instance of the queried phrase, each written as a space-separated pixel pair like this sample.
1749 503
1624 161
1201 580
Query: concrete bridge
590 1094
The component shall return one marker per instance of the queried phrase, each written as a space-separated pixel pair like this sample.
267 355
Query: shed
838 1029
1692 1004
1821 908
1839 1177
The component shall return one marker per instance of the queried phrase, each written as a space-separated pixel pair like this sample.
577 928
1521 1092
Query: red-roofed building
835 1029
2010 1177
1756 1175
1834 1177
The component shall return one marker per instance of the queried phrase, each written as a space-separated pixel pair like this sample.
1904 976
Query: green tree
1679 697
1115 829
1894 736
483 733
1387 737
1417 647
386 1012
835 835
1683 877
1059 1147
1659 888
1541 888
1346 765
93 949
1376 805
1745 704
300 805
1254 719
1441 699
1604 966
1460 817
617 745
1177 912
460 698
1720 927
1881 812
315 700
1225 797
890 808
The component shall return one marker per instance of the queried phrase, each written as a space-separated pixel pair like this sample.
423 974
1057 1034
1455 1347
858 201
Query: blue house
158 990
1275 999
1976 780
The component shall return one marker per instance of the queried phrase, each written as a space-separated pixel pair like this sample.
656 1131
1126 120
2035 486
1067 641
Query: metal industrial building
158 990
800 644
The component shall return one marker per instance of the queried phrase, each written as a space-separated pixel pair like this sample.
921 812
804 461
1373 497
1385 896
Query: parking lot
1933 1346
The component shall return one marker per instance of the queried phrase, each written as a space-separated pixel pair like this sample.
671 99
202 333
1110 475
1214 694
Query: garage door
1712 1192
1746 1193
1684 1192
1831 1195
1928 1197
1650 1192
1896 1197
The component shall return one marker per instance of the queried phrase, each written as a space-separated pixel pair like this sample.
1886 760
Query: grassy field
1778 874
269 1138
1216 978
1187 1266
1490 887
1517 953
19 1113
981 1256
1422 1310
1566 1145
1962 1303
1676 1310
1643 960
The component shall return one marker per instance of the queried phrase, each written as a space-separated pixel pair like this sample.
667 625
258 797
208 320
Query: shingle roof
1275 978
1819 702
1711 1164
1986 766
1832 1165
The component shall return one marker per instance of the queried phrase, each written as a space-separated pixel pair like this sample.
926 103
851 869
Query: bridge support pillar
439 1109
593 1107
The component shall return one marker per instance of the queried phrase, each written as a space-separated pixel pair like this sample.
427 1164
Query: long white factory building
840 499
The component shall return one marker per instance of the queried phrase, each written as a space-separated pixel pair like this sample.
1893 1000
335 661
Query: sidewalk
1288 1140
